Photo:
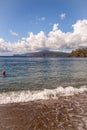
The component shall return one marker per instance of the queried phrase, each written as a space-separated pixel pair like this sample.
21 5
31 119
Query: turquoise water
25 73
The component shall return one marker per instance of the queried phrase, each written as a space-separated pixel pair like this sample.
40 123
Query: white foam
25 96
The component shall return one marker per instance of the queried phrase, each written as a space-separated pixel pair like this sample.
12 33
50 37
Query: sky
35 25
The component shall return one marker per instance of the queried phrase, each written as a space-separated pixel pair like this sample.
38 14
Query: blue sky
19 17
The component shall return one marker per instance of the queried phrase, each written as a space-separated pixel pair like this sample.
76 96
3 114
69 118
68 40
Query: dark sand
64 113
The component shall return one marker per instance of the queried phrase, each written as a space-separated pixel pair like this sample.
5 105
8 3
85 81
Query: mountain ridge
45 54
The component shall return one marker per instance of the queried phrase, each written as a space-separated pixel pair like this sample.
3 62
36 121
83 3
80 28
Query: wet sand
64 113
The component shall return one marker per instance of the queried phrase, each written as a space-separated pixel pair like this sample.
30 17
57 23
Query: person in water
3 73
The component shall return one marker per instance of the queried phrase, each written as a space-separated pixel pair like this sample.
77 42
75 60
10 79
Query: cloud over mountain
55 40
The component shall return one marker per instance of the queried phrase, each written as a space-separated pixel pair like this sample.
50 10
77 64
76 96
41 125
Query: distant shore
44 54
82 52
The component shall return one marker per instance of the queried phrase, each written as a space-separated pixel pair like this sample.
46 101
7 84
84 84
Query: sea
43 93
33 78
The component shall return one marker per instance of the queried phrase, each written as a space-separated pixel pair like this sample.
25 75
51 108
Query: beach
63 113
43 65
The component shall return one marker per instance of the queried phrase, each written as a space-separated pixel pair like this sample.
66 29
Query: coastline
66 112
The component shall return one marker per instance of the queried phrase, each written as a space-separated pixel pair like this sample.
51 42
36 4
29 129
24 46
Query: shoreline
27 95
66 112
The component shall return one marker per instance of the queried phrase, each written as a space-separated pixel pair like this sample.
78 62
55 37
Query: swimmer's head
3 73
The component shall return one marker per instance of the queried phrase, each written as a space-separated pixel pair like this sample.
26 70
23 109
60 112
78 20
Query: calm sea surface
25 73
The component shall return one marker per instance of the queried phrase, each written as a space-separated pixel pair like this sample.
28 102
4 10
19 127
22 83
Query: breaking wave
26 95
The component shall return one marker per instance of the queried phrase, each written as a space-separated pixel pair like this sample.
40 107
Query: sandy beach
64 113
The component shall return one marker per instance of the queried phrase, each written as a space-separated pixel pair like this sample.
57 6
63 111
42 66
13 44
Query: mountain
45 54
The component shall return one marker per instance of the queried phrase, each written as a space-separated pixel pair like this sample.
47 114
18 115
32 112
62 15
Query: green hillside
79 53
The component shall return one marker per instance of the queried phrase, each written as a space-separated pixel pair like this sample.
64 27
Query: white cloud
80 27
55 27
13 33
62 16
42 19
55 40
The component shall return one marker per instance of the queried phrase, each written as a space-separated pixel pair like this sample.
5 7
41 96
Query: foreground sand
64 113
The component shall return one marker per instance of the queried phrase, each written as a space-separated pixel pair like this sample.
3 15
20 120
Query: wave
26 95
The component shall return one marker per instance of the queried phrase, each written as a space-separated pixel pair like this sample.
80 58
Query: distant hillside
79 53
45 54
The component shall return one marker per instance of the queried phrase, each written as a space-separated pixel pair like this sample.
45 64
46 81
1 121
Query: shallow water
33 78
64 113
39 73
